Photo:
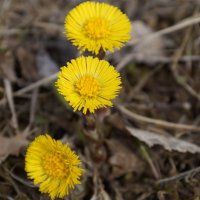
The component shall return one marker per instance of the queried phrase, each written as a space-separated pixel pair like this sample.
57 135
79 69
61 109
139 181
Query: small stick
31 87
174 67
183 24
146 155
36 84
9 94
32 112
158 122
180 176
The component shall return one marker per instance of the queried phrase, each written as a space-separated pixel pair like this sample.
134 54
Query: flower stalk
88 84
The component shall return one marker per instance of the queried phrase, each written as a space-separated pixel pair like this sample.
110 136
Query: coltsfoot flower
88 83
53 166
93 26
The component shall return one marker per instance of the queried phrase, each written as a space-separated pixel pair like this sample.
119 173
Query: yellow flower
93 26
53 166
88 83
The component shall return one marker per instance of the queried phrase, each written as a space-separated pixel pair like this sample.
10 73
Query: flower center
54 165
96 28
87 86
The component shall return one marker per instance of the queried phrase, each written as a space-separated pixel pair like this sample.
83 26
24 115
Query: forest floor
150 147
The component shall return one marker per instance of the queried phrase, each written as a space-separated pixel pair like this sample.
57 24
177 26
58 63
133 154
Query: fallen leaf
146 47
11 146
27 63
45 65
123 160
167 142
7 66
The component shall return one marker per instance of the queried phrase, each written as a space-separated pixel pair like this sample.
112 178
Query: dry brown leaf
11 146
27 63
123 160
168 142
147 47
46 66
7 66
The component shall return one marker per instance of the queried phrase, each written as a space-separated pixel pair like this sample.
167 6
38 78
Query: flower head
93 26
88 83
53 166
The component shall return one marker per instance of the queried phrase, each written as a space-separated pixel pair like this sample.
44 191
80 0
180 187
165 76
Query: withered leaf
146 47
123 160
27 63
168 142
7 66
11 145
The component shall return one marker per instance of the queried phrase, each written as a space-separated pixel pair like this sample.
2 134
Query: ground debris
11 146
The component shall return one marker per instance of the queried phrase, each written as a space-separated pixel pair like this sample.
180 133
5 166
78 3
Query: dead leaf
7 66
11 146
45 65
168 142
123 160
152 46
27 63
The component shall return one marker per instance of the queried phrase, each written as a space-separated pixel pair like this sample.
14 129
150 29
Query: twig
36 84
180 176
55 28
32 112
146 155
9 95
6 197
142 82
154 59
31 87
33 105
124 62
10 32
158 122
174 67
5 6
23 181
183 24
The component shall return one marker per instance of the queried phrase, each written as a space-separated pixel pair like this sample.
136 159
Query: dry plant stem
180 176
6 197
9 95
170 125
9 178
154 59
89 124
185 23
146 155
174 67
36 84
142 82
32 112
32 87
92 131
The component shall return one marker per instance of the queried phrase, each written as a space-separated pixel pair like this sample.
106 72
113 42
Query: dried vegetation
151 143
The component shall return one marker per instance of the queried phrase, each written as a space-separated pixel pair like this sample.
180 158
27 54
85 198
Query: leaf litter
31 32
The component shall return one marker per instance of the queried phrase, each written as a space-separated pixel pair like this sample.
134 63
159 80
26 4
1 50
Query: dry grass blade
32 87
180 176
185 23
9 95
174 66
166 124
36 84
